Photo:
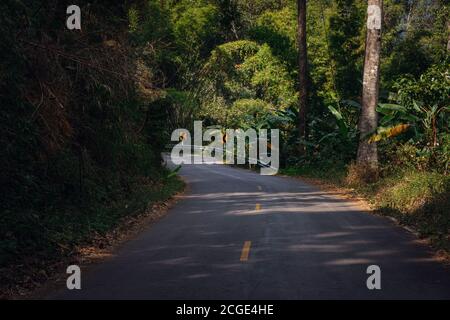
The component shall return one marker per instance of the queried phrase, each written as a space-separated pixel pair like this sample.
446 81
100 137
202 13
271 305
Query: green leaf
336 113
332 134
387 108
409 117
174 172
351 103
340 121
416 106
387 119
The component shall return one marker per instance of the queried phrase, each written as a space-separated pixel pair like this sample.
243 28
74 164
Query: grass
418 199
335 174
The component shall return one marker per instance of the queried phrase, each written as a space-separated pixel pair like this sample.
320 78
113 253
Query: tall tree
367 158
302 69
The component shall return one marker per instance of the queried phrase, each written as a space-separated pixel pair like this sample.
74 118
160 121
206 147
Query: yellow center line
245 250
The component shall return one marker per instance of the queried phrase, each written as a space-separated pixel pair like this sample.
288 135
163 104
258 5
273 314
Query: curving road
239 235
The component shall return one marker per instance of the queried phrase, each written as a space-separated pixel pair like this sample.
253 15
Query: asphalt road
239 235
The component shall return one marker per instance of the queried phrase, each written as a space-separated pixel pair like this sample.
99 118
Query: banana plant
397 119
343 127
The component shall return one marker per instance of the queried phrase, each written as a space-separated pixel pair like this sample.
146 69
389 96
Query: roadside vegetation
85 114
80 140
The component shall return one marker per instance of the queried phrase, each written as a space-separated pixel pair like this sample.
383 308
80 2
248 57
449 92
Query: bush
402 155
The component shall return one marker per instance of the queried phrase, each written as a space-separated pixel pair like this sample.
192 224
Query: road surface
239 235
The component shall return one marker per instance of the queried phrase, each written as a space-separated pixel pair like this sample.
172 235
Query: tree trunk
302 70
367 159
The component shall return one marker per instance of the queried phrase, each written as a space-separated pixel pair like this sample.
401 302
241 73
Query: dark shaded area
73 135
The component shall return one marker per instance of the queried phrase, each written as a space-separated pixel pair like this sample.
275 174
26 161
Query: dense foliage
81 133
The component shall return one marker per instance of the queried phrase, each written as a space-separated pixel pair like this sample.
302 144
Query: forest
85 114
